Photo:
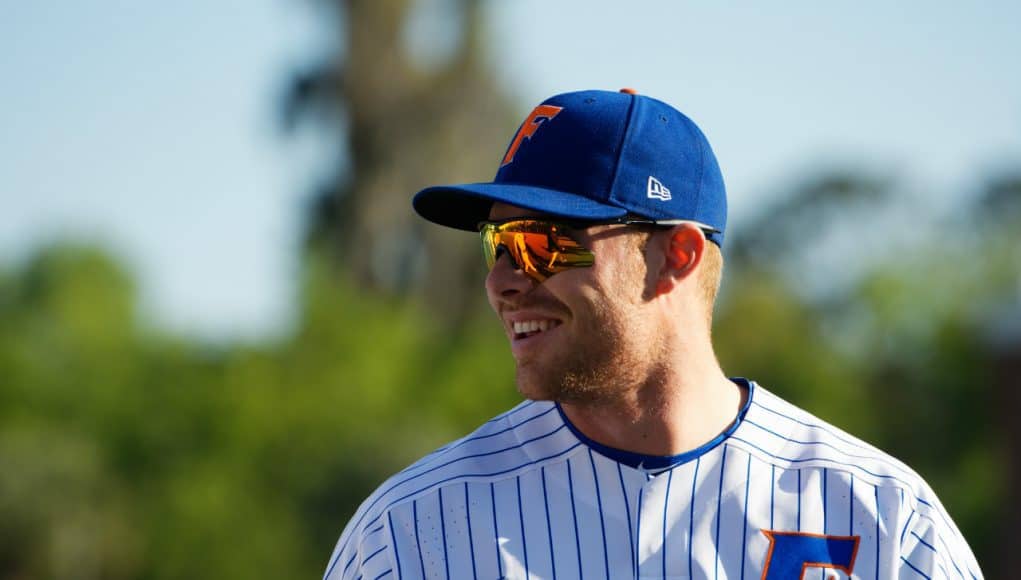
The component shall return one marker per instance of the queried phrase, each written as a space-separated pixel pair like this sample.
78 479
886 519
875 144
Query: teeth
533 326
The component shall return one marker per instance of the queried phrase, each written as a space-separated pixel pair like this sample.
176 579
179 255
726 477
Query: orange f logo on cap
529 127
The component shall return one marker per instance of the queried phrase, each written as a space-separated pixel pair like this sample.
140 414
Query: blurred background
221 326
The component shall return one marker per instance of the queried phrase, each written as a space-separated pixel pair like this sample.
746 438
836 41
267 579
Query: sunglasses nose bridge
507 276
499 250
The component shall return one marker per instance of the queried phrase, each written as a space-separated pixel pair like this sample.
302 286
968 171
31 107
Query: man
635 456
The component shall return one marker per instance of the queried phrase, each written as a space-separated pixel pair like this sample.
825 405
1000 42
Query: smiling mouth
531 328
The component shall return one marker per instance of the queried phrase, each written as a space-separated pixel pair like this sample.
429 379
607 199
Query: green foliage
764 331
126 454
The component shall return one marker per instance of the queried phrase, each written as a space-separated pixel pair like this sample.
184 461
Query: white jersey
782 495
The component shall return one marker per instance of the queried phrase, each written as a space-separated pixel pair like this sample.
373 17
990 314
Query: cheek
595 305
621 282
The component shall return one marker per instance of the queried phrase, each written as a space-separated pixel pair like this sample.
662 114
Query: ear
683 248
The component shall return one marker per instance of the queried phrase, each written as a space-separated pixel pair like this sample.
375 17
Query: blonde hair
710 275
710 269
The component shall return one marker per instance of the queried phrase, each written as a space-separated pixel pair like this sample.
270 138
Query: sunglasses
542 248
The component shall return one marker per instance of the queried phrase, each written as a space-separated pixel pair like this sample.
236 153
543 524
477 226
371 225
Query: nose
505 279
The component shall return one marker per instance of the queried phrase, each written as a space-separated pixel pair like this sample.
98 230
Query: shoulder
528 436
882 488
790 437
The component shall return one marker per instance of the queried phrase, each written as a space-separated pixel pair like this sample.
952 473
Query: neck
677 409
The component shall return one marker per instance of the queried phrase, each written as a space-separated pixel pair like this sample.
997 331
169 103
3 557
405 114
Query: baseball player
634 455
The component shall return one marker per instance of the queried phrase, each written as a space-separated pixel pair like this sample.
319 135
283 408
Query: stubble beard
597 364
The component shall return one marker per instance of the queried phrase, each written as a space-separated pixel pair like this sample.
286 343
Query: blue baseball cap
596 155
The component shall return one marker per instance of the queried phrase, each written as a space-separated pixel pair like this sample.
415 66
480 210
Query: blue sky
152 127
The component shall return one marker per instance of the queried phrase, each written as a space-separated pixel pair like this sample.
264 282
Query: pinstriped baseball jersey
781 495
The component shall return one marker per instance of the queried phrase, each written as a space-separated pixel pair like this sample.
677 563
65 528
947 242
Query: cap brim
464 206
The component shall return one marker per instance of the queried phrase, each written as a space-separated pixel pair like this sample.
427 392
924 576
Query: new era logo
657 190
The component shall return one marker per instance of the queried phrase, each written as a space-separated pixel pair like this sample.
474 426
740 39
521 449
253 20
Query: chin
562 388
532 388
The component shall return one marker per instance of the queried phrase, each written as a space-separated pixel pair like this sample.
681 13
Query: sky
153 128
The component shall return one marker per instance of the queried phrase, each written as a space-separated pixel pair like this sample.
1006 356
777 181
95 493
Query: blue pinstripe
421 557
941 514
878 518
627 512
666 504
496 529
443 532
574 516
393 538
935 553
744 539
719 501
638 528
923 542
691 524
602 521
521 519
471 541
346 566
549 525
772 495
355 555
372 555
825 513
955 564
799 500
912 566
850 509
906 524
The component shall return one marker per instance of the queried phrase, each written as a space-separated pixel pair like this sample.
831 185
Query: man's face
582 335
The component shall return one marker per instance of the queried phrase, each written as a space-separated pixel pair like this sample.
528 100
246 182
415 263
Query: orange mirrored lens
538 248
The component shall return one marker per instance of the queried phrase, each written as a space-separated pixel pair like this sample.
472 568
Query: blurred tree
998 216
127 454
405 124
65 319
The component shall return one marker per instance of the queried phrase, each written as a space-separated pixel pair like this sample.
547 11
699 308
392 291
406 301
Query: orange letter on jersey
528 128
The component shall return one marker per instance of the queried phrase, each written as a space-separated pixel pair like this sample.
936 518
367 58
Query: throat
663 434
